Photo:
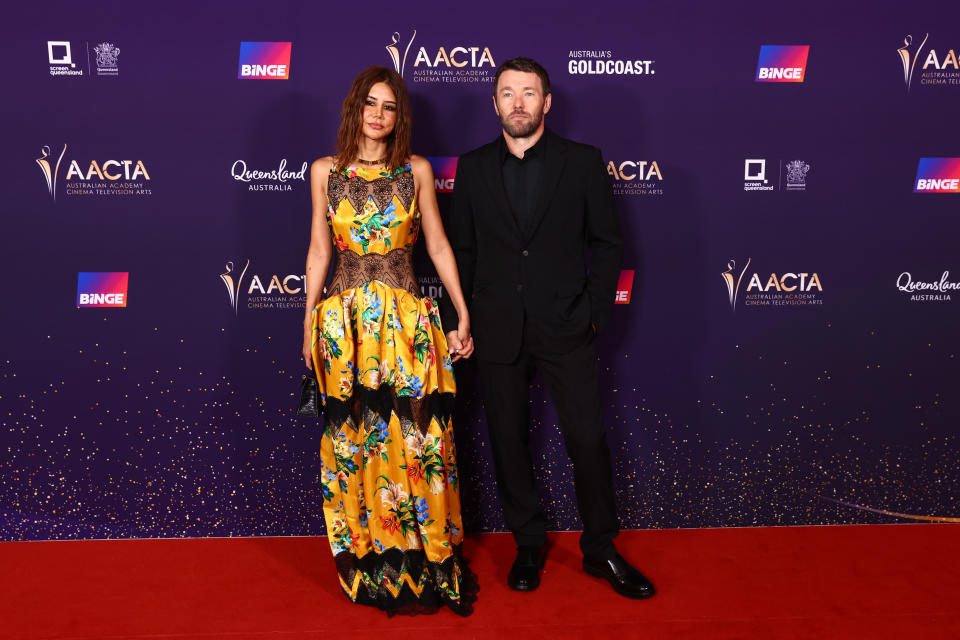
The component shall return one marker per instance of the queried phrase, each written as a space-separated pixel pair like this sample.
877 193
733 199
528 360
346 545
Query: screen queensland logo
444 172
264 61
92 177
635 177
782 289
782 63
606 62
440 62
102 288
939 67
248 289
937 175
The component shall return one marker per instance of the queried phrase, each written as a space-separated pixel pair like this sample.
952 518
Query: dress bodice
374 222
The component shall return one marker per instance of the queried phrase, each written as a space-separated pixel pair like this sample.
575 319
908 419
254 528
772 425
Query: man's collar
537 150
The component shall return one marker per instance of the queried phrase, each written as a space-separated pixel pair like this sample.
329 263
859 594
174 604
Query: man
526 209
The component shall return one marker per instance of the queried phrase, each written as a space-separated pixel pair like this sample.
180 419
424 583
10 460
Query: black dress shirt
522 180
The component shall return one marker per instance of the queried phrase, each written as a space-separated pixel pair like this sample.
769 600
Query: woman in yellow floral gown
389 474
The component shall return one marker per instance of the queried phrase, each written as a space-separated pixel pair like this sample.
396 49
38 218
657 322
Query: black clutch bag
309 396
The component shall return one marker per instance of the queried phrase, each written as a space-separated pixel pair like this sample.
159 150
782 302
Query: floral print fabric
389 472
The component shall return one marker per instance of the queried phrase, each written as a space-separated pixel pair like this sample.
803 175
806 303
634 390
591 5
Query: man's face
520 103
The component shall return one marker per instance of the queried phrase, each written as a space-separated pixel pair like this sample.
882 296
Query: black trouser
572 380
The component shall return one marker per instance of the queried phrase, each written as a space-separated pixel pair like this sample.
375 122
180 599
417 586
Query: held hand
308 347
460 342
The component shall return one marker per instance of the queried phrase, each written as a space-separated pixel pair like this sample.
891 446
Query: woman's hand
460 342
308 344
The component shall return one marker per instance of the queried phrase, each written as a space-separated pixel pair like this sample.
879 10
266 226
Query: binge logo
938 175
624 287
264 60
780 63
444 171
102 288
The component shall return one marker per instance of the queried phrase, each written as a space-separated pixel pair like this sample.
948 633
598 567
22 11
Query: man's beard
521 128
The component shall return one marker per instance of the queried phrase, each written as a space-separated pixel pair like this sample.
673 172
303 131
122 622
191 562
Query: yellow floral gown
389 473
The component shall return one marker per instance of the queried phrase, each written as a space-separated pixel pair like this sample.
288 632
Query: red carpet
892 581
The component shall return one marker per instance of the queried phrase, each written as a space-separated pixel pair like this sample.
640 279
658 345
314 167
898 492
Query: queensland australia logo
249 290
934 290
264 61
635 177
450 63
102 288
779 289
937 175
96 177
939 67
789 175
604 63
444 172
280 178
782 63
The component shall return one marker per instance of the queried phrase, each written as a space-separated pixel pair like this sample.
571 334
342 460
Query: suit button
519 287
525 253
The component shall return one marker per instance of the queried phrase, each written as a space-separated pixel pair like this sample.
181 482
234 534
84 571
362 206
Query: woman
390 484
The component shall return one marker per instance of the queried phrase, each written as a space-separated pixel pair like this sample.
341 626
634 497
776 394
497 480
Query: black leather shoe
625 580
525 572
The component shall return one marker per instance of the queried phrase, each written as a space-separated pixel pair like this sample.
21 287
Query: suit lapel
556 157
493 176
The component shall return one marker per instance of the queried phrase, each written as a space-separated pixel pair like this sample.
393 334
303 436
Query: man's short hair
527 65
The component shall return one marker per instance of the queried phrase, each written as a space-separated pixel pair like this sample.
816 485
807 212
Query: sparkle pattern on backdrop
116 451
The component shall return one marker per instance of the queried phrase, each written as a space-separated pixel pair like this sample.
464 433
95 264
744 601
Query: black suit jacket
540 274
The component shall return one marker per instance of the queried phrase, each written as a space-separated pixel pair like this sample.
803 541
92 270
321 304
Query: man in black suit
527 208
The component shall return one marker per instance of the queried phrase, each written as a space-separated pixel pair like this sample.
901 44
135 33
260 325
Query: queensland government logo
264 61
780 289
937 69
937 175
279 178
635 177
782 63
102 288
104 178
72 58
264 291
927 290
457 64
603 63
791 175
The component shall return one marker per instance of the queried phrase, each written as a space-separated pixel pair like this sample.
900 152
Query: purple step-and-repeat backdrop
784 349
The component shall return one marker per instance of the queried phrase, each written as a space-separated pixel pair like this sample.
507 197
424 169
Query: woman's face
379 112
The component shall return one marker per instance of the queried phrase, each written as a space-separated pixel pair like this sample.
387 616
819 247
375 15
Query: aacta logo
444 172
98 178
778 63
264 60
778 290
268 292
102 288
644 170
938 175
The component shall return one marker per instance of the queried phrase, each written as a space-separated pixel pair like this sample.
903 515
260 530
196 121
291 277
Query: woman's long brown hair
351 121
